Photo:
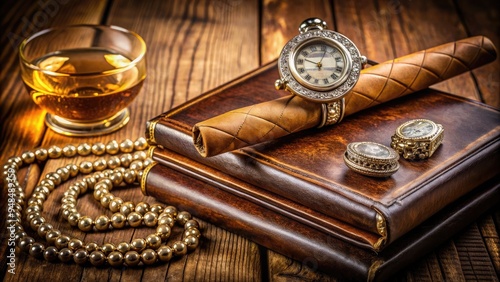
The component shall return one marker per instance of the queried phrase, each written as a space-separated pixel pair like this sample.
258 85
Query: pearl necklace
101 176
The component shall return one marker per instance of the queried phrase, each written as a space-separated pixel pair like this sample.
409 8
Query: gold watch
371 159
417 139
320 65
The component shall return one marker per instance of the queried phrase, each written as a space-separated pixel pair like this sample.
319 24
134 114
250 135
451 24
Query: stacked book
295 195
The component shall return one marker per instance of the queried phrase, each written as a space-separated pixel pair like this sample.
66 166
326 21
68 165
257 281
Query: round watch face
320 64
372 150
418 129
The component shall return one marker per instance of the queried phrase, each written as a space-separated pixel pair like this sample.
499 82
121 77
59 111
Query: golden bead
51 236
84 149
36 250
138 245
62 242
97 258
191 224
63 172
114 162
118 220
43 229
153 241
139 175
139 156
150 219
127 146
41 154
179 248
126 159
106 199
141 144
98 149
101 223
55 177
36 222
191 242
85 224
123 247
65 255
35 202
136 165
112 147
115 259
148 257
100 165
129 176
80 256
73 219
91 181
54 152
163 231
48 183
28 157
183 217
69 151
50 254
156 208
147 162
165 219
192 232
170 210
132 258
92 246
75 244
127 208
116 178
86 167
83 186
142 208
108 248
73 170
164 253
115 204
134 219
25 243
99 193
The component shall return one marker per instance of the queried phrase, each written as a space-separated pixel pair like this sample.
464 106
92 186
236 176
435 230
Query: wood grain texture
194 46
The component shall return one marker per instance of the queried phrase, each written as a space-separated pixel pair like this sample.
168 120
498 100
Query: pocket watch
371 159
417 139
320 65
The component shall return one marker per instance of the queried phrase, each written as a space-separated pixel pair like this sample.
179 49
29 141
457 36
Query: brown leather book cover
307 168
309 245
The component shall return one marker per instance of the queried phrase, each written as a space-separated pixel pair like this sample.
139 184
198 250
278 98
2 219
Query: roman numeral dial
319 63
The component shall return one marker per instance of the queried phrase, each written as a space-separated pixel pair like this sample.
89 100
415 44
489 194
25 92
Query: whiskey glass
84 76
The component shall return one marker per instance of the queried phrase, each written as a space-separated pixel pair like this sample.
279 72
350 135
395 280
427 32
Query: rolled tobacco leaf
377 84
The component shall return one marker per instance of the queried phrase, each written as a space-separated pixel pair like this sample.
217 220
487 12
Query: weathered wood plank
483 18
281 20
474 258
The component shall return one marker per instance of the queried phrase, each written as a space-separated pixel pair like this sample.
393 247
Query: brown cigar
377 84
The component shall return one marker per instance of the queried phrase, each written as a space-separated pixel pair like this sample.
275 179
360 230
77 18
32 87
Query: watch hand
310 61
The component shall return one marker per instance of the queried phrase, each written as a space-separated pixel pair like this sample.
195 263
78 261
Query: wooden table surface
197 45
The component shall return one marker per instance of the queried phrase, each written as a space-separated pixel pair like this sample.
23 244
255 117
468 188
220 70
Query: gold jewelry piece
332 112
319 65
371 159
417 139
101 177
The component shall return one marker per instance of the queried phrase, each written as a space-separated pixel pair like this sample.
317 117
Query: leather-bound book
276 231
303 175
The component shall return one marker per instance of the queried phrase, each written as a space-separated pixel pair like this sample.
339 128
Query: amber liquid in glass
93 94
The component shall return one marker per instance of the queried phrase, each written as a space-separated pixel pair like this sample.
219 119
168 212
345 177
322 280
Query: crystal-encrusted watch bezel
369 164
351 76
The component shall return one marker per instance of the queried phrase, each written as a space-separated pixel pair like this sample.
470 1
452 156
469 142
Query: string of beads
101 176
